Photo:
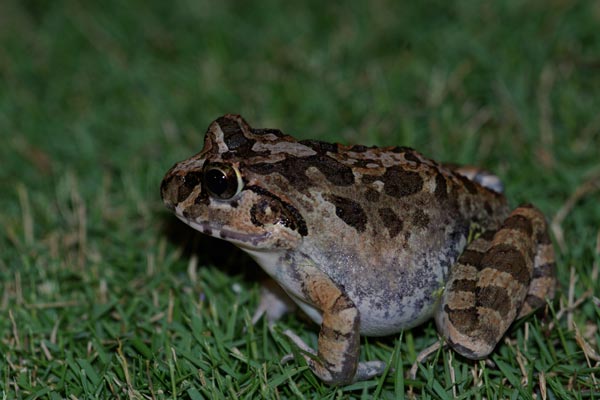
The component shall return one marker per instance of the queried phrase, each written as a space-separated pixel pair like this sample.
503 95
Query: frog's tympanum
368 240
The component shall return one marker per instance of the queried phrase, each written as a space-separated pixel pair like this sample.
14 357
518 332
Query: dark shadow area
211 251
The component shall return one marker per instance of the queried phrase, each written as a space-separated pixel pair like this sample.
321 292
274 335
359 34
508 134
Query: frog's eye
222 181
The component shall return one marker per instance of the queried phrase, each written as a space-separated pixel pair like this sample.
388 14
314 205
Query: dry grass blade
422 356
15 330
591 185
588 350
543 390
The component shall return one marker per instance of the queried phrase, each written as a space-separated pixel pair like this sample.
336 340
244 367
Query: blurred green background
104 294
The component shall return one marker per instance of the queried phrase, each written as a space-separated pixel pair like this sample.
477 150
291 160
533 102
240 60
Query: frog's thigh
490 281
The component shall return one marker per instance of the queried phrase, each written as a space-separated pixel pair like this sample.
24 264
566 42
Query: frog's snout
177 186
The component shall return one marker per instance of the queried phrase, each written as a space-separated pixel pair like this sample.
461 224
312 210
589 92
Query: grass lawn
104 294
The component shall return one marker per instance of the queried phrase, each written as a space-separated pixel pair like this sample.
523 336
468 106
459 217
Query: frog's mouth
237 238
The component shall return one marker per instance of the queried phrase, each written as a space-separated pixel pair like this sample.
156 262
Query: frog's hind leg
498 275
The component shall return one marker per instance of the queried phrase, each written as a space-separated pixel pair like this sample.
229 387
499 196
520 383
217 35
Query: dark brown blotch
401 149
294 219
472 258
294 170
519 223
488 207
321 148
494 298
465 320
410 156
372 195
192 179
233 135
399 182
506 258
236 139
468 184
464 285
441 187
349 211
335 172
241 147
229 125
488 235
420 219
490 333
188 183
358 148
390 220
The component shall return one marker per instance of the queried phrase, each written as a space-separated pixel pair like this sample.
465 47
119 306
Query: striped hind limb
500 276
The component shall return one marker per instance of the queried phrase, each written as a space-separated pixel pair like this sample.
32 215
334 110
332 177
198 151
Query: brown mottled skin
367 240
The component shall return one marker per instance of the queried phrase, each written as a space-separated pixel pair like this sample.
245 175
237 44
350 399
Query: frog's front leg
336 359
500 275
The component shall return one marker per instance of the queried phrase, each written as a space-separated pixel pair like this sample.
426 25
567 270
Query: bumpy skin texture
367 240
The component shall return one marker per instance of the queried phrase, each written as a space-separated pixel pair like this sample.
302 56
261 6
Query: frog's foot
364 370
274 303
478 175
498 274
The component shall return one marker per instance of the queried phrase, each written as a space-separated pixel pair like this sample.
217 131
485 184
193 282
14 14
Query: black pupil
216 181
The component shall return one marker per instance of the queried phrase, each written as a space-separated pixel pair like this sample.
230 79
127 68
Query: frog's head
226 190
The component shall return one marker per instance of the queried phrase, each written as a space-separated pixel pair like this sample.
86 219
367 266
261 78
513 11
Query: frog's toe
364 370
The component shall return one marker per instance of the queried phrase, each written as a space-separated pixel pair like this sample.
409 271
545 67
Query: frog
366 240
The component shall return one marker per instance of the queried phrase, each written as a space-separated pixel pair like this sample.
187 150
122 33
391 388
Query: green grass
104 294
